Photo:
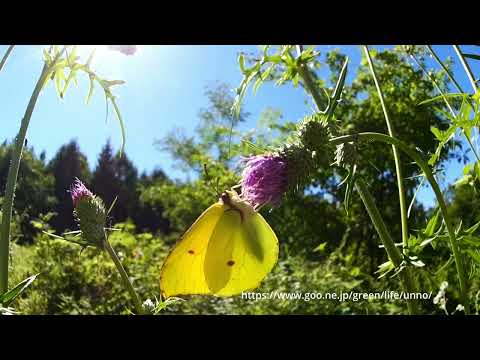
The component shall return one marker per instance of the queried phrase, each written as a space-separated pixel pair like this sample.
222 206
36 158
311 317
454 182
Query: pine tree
67 164
116 177
34 191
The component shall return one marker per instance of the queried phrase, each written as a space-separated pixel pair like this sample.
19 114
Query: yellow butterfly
229 249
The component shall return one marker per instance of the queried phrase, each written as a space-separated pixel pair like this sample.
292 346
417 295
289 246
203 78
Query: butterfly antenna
230 139
217 188
209 179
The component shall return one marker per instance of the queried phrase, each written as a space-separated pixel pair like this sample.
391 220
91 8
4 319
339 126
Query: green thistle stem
304 72
416 156
11 183
442 65
467 68
447 103
396 155
123 274
13 174
387 241
5 57
309 83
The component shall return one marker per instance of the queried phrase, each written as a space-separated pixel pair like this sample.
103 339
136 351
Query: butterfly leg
233 188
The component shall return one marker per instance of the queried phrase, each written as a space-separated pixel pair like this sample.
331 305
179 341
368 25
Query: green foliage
324 249
73 281
7 298
34 191
66 60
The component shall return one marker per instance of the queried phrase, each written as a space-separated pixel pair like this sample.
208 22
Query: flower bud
313 134
90 213
266 178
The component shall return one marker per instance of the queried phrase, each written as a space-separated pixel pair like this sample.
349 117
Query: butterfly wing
240 253
182 272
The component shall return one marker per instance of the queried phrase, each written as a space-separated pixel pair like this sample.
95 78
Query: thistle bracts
346 155
90 214
308 149
267 177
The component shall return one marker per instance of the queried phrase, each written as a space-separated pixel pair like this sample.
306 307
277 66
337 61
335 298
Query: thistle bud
90 213
266 178
313 134
302 161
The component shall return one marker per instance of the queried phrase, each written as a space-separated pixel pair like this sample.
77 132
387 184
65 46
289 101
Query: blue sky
164 89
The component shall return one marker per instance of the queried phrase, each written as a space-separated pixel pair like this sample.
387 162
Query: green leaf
432 224
59 77
441 97
164 304
476 169
321 247
414 196
349 188
438 133
90 89
475 255
385 268
473 228
338 89
7 298
241 62
467 169
464 180
446 265
257 84
256 148
90 58
120 121
71 76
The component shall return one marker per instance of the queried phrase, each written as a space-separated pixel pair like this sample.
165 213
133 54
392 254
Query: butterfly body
229 249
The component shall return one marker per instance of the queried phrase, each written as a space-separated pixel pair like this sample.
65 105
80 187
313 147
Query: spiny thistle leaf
7 298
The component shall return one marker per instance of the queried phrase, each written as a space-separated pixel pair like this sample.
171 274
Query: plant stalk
13 174
406 277
309 83
467 68
450 108
387 241
11 183
123 274
5 57
396 155
416 156
442 65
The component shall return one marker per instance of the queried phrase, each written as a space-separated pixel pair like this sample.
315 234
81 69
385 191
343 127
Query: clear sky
164 89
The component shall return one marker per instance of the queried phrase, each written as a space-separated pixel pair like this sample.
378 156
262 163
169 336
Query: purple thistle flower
124 49
264 179
78 191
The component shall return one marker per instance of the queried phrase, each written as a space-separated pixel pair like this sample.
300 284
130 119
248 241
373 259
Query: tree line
43 188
